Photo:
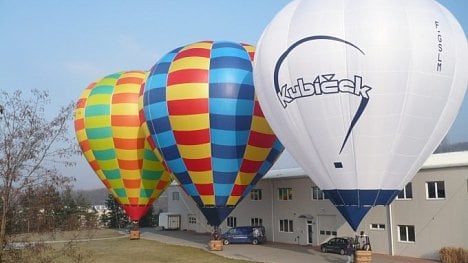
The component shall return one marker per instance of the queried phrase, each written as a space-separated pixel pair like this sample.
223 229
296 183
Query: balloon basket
134 234
362 256
216 245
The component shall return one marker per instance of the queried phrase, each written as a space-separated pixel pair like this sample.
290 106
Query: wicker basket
362 256
216 245
134 234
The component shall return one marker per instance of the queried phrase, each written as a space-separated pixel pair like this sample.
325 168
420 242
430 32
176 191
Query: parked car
341 245
245 234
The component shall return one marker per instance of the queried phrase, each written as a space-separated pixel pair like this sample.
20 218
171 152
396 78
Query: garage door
326 227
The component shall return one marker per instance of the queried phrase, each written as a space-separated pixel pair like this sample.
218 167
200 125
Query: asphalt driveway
268 252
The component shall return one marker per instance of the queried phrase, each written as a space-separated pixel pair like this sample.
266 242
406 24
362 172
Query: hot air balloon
110 129
361 92
201 110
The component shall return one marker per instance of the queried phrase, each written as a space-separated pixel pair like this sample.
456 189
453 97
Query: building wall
437 223
186 207
380 239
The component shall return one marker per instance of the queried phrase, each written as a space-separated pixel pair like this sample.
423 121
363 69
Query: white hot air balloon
361 92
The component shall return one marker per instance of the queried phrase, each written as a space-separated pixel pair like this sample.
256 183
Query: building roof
285 173
440 160
443 160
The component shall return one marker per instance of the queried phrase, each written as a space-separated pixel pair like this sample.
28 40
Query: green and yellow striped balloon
112 134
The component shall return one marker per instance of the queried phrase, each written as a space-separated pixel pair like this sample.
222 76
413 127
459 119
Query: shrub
453 255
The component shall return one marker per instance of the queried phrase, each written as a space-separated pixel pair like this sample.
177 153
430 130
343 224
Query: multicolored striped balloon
110 129
201 110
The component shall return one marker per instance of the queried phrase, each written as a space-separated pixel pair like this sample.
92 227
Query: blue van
245 234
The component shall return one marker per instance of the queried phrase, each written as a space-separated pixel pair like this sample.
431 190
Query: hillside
99 196
94 196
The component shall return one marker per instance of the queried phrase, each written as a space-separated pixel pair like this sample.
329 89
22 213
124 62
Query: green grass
126 250
66 235
117 249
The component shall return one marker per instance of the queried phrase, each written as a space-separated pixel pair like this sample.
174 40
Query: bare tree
32 146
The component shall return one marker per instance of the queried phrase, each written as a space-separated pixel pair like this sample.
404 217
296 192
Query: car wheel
324 249
255 241
342 251
226 242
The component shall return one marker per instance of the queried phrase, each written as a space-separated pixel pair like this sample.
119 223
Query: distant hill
99 196
452 147
95 196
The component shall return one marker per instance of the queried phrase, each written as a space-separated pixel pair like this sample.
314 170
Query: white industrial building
432 211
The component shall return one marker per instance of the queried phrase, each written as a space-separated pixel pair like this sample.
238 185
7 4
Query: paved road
269 252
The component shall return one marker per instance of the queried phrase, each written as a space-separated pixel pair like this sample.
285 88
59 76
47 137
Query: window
256 221
328 232
377 226
256 194
317 194
231 221
286 225
192 219
285 193
406 193
175 195
406 233
435 190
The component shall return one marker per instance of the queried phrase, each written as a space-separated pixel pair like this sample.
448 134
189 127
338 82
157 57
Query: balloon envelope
110 127
202 112
361 92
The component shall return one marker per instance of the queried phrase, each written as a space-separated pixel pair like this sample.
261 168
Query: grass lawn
66 235
126 250
115 248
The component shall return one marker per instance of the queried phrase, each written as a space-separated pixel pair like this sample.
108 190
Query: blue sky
63 46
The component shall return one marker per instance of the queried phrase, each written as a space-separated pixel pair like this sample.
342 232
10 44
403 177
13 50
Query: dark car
341 245
245 234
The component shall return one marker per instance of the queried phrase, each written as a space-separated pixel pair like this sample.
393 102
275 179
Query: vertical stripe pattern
201 110
110 129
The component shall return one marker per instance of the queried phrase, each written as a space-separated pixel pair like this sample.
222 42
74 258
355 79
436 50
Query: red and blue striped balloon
202 112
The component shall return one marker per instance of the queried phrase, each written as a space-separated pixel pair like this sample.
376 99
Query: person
215 235
349 253
364 241
256 232
135 226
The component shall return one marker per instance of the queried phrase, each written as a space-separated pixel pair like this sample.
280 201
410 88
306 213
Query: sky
63 46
